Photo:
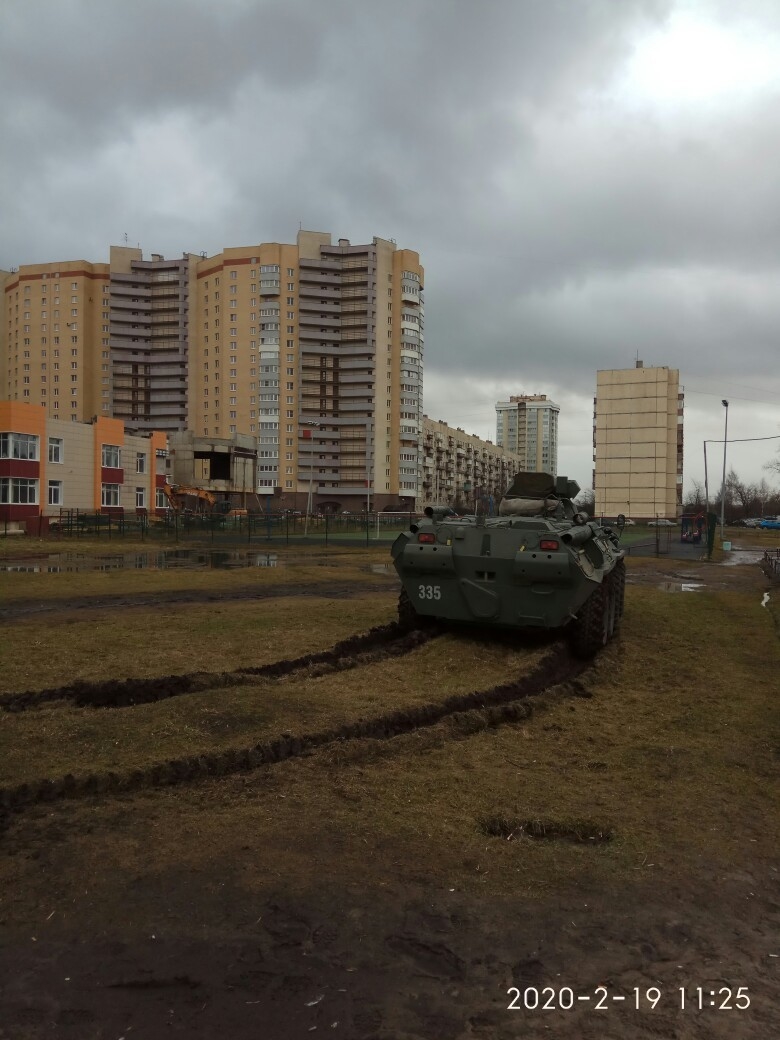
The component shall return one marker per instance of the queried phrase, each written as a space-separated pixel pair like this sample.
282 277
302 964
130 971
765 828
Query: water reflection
168 559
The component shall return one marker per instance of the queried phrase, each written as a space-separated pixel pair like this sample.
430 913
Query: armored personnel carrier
539 564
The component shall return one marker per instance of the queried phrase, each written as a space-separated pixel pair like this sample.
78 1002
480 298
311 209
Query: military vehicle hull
552 570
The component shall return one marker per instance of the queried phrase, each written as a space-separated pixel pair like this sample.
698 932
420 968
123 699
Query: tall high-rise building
149 338
54 349
317 349
527 425
638 442
314 348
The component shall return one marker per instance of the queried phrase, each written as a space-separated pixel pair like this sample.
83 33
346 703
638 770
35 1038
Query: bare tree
746 495
774 464
586 501
694 503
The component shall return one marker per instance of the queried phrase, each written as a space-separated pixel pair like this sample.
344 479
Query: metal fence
277 529
770 564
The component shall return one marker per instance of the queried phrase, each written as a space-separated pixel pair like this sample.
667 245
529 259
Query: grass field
618 826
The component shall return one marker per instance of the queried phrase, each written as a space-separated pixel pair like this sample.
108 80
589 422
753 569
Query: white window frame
55 492
56 450
109 453
16 491
19 446
108 492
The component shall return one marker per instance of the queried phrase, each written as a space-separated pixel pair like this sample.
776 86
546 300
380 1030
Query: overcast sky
586 181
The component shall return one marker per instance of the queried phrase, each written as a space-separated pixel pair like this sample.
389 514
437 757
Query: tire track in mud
469 713
380 642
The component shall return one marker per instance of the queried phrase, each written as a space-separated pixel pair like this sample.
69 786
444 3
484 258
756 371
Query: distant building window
55 449
55 492
160 501
112 459
19 446
18 491
140 462
140 498
109 494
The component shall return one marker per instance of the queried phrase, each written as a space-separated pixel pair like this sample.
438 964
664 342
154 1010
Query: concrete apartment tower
149 338
527 426
54 347
638 442
316 349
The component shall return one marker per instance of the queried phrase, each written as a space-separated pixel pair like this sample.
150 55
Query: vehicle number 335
429 591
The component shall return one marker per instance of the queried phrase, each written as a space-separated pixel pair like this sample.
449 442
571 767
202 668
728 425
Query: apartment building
462 470
149 303
314 348
317 349
638 442
54 349
49 464
527 425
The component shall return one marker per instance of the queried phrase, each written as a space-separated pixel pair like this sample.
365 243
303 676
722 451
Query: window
112 459
140 498
109 493
140 462
55 449
55 492
160 501
19 446
18 491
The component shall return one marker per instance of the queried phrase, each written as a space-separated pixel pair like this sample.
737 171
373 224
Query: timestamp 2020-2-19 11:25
686 998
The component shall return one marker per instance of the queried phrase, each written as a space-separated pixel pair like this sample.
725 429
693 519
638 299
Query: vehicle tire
595 622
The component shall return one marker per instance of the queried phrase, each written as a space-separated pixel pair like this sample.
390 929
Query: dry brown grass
676 752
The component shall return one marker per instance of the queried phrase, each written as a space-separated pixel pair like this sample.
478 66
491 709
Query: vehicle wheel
595 621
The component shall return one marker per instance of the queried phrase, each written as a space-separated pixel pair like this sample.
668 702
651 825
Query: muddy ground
164 912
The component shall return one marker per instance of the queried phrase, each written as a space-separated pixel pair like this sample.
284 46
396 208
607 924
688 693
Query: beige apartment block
149 338
317 350
527 425
314 348
463 471
638 442
54 350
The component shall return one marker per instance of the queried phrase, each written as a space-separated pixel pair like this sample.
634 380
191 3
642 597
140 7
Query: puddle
680 586
169 559
382 568
741 556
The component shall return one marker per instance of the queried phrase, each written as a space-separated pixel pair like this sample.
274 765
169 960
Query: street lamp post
723 489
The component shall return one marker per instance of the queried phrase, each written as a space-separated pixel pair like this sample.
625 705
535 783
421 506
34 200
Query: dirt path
269 901
416 960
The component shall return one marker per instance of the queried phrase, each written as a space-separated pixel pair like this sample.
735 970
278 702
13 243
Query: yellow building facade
55 348
463 471
638 443
314 348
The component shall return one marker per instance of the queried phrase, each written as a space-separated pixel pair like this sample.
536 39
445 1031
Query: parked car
661 523
770 523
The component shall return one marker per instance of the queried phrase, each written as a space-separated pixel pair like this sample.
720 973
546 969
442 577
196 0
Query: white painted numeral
429 591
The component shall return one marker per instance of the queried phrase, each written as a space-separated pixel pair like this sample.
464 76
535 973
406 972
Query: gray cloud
565 223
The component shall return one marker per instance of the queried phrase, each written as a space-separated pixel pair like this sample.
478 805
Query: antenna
125 238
